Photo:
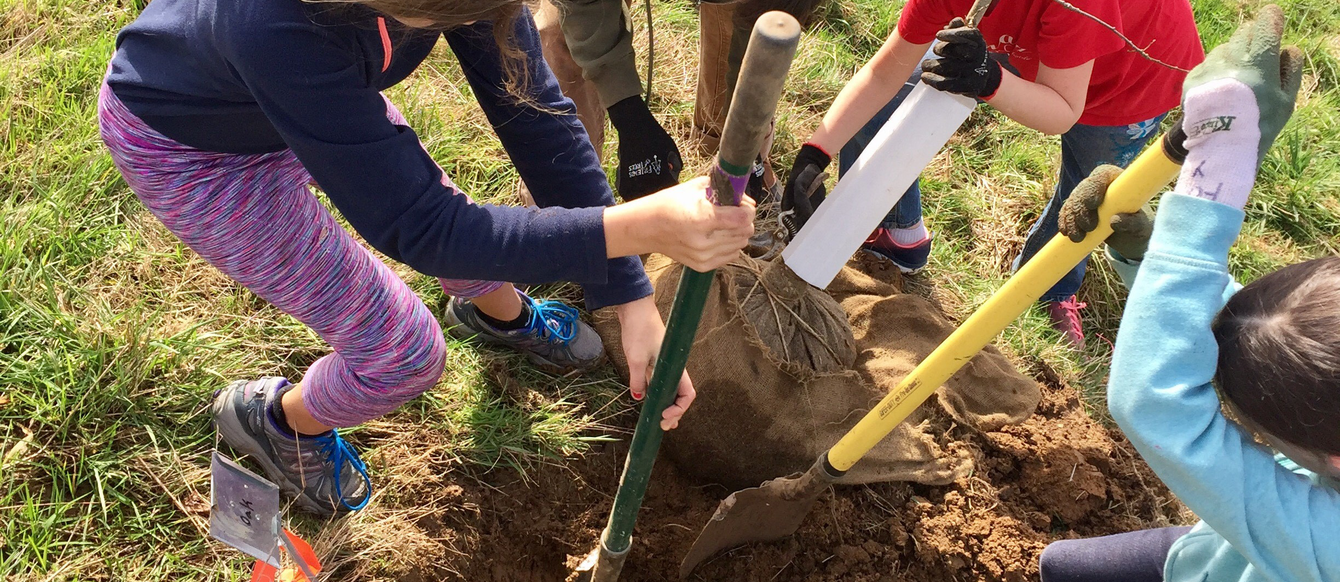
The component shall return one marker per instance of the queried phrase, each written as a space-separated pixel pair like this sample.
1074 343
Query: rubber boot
716 26
570 80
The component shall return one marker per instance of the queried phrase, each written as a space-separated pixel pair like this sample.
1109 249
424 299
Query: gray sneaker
555 340
303 467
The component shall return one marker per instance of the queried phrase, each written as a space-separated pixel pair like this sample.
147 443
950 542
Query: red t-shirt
1125 87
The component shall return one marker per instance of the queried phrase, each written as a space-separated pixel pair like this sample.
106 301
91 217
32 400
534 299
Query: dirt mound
1057 475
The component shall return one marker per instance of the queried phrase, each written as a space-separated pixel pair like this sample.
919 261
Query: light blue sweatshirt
1262 520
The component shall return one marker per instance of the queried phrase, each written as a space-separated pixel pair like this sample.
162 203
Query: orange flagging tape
262 572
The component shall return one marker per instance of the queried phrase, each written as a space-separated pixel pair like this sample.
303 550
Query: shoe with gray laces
555 339
322 473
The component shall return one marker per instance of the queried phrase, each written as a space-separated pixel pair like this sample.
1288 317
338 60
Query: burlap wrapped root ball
783 370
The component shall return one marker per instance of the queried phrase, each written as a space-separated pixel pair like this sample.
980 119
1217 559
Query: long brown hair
448 14
1279 353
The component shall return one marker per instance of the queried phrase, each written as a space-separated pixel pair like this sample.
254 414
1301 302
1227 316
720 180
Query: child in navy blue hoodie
221 113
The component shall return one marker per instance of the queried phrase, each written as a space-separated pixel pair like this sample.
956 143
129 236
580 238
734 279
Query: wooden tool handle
977 11
772 47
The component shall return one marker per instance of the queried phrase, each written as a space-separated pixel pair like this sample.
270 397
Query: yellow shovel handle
1144 179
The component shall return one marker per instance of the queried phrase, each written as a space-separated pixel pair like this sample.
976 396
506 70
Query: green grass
113 336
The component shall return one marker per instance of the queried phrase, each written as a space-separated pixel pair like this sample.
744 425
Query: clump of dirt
1057 475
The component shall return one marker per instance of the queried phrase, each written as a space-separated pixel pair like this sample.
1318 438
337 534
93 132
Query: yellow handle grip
1144 179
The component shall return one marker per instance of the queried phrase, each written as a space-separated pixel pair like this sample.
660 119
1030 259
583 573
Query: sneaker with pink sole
1065 319
909 259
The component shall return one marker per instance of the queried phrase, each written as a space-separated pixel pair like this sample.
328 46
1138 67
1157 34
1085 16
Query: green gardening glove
1079 216
1235 104
1251 59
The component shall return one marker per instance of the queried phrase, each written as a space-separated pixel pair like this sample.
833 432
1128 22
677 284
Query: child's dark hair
1279 354
447 14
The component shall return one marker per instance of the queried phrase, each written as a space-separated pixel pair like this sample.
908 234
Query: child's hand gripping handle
772 46
1145 178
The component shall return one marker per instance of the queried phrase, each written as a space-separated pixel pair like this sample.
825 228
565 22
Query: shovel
772 46
776 508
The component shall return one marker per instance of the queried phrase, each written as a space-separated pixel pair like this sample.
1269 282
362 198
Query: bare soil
1058 475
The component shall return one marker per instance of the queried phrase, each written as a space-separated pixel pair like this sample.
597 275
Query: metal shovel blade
769 512
601 565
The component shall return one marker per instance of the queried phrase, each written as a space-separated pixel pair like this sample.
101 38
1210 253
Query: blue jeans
1083 148
907 212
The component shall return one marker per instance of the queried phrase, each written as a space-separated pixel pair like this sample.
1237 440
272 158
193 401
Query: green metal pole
661 391
772 46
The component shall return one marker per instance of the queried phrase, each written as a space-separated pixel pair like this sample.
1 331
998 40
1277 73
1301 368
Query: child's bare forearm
869 91
1051 105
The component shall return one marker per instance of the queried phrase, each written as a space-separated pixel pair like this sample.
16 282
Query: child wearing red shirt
1041 63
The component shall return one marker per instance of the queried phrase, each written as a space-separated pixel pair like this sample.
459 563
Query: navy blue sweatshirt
253 76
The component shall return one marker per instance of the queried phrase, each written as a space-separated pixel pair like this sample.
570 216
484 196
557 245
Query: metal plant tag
244 510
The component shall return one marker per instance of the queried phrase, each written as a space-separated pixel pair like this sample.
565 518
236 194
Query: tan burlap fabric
781 377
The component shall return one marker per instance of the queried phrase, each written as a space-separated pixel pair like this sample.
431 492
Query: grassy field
113 335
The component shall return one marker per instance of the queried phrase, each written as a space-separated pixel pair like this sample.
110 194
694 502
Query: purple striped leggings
254 218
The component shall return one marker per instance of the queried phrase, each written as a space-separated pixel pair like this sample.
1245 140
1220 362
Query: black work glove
649 160
964 67
804 188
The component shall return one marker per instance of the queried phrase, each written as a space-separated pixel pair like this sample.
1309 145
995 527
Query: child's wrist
992 95
1223 135
631 114
995 80
636 308
1206 178
814 153
623 235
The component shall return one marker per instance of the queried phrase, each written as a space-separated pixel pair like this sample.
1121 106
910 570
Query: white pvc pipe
918 129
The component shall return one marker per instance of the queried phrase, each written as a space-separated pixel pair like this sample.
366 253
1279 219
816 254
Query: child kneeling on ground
1194 344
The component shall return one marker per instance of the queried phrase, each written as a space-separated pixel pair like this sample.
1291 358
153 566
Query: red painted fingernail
637 396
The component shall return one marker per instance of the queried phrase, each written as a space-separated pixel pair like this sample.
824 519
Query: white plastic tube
874 184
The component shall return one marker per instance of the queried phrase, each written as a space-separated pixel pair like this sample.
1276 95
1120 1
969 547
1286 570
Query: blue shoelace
339 452
559 319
